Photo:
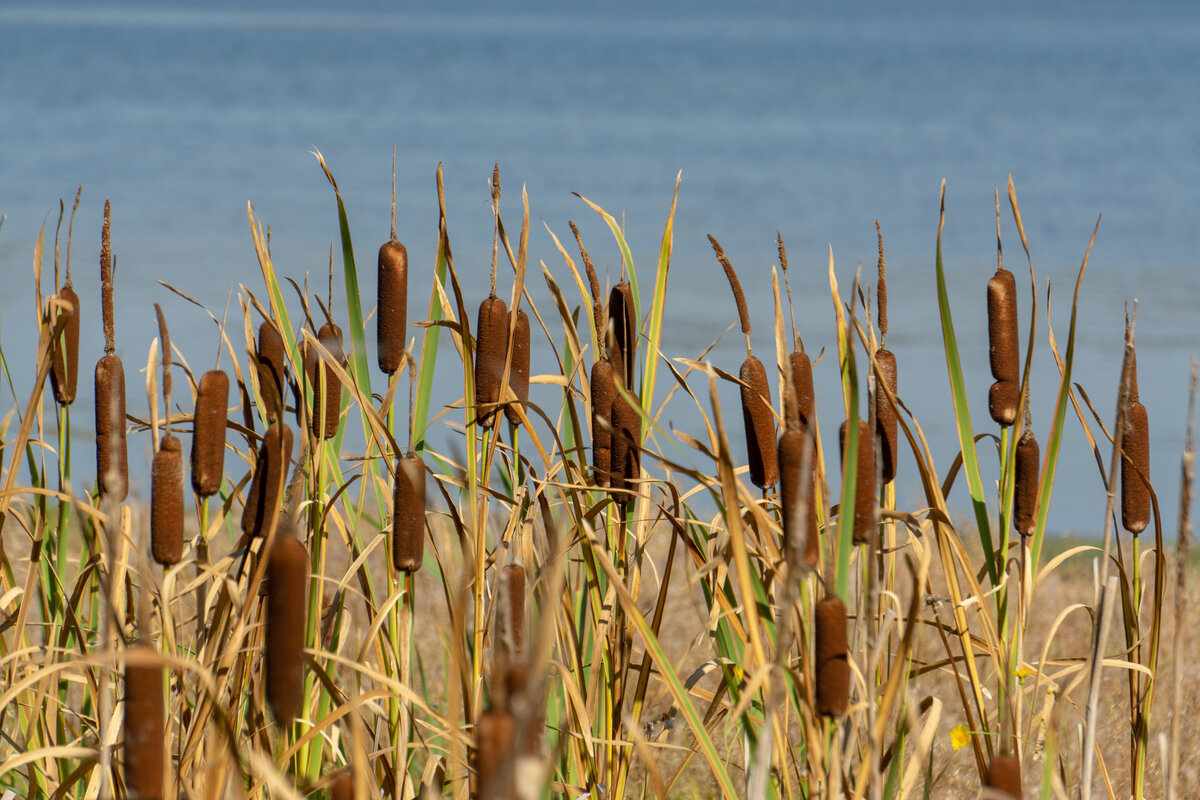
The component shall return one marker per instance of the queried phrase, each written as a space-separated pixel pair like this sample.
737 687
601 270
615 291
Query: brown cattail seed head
287 588
864 477
623 319
270 475
518 372
166 502
112 454
626 447
832 665
1025 494
270 369
491 346
885 416
495 755
342 787
796 487
760 423
1003 346
64 373
603 391
1135 492
1004 774
393 305
145 721
208 433
408 515
802 380
514 589
1002 401
327 406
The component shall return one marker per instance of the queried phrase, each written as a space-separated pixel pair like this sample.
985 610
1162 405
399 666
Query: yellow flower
1023 672
960 736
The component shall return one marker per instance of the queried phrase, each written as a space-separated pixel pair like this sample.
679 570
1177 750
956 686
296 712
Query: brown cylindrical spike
393 305
166 502
1002 401
802 380
832 672
327 408
885 416
1004 774
759 420
514 587
796 486
624 322
1003 345
112 453
208 433
518 372
270 369
408 515
342 787
495 755
603 391
287 588
270 476
64 373
1025 492
864 477
626 448
145 734
491 346
1135 492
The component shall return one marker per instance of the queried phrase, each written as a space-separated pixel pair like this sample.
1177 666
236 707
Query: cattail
1135 487
603 391
64 373
514 589
802 380
270 368
623 320
166 502
518 372
885 416
832 665
112 454
864 477
491 346
759 420
1004 774
494 755
1003 346
208 433
270 475
408 515
393 304
796 486
1025 493
145 721
1003 398
327 408
342 787
626 443
287 588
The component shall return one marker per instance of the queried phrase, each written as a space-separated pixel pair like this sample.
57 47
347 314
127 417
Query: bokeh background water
813 121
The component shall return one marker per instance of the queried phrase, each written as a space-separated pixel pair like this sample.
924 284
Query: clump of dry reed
145 726
112 452
283 649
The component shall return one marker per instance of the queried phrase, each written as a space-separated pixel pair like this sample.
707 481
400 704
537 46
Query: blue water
815 123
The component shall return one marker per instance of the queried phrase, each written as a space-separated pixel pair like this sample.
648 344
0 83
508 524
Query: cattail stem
106 280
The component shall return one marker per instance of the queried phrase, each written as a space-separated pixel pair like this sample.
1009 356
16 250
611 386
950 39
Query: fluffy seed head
760 423
392 310
864 477
603 391
491 346
1003 345
64 373
518 372
270 369
1025 492
270 475
1004 774
408 515
145 720
885 416
208 433
1135 493
287 588
832 665
1002 401
112 453
166 502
